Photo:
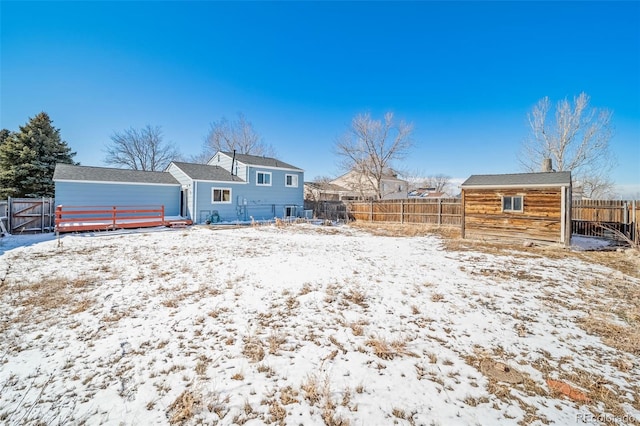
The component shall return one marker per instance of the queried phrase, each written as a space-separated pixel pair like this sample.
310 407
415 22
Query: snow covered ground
306 324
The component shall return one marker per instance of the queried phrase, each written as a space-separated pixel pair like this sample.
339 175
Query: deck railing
99 218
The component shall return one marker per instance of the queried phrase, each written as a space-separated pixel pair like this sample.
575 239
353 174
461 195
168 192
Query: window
289 211
512 203
263 178
291 180
220 195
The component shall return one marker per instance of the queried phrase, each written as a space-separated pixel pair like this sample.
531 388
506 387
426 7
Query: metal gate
610 219
26 215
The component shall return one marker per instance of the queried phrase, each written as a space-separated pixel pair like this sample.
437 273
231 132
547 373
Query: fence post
636 232
42 215
58 217
9 215
51 210
114 217
371 211
402 211
439 211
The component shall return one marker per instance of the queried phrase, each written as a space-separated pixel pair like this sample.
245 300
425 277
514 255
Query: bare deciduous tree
369 147
438 182
140 149
577 141
238 135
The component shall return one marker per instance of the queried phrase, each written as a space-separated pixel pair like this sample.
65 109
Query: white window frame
213 199
294 180
265 174
511 198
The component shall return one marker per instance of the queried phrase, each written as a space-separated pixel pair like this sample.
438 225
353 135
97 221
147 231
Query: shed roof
520 179
71 172
257 160
207 172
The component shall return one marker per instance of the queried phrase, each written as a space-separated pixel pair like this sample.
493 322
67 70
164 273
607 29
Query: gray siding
115 194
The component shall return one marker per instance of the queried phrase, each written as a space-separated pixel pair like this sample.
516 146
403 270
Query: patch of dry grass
318 392
253 349
623 337
288 395
313 390
184 407
357 328
45 298
390 229
275 341
389 350
357 297
613 313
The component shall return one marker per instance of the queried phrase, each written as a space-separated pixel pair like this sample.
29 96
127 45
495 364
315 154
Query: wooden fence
612 219
20 215
330 210
437 211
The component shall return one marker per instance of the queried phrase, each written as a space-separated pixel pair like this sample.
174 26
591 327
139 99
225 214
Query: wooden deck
100 218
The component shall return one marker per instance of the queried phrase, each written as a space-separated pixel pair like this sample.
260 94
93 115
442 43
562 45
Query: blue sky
465 74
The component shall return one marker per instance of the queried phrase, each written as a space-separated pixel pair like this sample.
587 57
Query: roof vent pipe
233 160
547 165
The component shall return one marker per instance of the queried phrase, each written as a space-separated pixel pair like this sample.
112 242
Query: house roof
390 176
326 186
426 193
105 174
206 172
256 160
520 179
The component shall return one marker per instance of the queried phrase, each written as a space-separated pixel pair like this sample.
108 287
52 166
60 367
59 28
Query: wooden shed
524 206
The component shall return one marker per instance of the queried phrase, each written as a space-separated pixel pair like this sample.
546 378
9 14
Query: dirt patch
500 371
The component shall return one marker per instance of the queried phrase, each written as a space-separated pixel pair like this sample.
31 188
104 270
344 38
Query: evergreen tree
28 159
4 134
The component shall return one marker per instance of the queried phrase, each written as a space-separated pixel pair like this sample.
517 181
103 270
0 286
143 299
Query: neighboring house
229 188
326 191
105 187
426 193
527 206
357 186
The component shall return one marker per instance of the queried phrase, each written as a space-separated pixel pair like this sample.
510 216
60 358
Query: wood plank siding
543 213
541 218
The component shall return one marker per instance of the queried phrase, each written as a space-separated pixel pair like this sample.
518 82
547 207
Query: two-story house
239 187
231 187
354 185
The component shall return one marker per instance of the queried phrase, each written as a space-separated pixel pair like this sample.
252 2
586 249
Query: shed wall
541 218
